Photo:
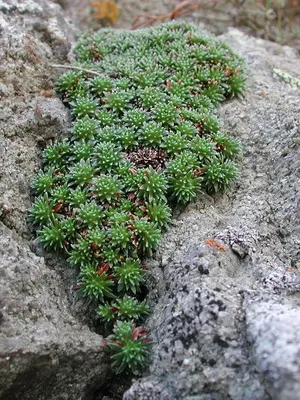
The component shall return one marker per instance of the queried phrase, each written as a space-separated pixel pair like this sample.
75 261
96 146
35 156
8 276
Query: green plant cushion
145 136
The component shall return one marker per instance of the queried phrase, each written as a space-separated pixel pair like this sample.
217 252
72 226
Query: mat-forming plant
145 136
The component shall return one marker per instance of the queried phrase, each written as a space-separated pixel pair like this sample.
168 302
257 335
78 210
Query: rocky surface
225 280
226 298
45 350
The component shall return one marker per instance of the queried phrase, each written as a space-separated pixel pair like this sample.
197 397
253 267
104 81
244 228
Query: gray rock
46 352
272 326
225 320
30 115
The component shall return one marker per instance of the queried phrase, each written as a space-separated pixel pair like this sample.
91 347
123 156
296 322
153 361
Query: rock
273 326
46 351
225 323
29 117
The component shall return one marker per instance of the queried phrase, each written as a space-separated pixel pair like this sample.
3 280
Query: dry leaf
106 9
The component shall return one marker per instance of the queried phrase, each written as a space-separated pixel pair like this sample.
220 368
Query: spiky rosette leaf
175 143
176 89
123 83
105 118
69 228
152 185
108 134
187 129
81 253
209 123
77 197
146 235
96 237
56 154
184 188
151 133
126 205
191 116
111 256
120 236
203 148
95 284
52 236
42 211
81 173
165 114
184 163
118 100
44 182
82 151
199 102
228 147
60 194
219 175
235 85
176 101
150 96
125 308
136 118
147 78
106 188
68 82
84 107
99 85
84 128
130 276
106 313
214 92
107 156
129 347
160 214
89 215
91 52
128 138
117 217
72 84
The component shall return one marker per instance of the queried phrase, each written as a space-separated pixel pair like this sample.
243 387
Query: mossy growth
145 136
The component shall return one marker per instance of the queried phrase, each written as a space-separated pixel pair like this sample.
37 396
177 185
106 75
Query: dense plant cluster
145 136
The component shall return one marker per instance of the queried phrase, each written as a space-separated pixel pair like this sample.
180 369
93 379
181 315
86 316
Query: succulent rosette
145 136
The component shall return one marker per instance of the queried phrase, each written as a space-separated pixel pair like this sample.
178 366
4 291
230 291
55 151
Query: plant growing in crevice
145 136
123 308
129 347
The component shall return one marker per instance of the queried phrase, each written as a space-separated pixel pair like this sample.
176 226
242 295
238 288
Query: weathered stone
225 323
273 325
45 350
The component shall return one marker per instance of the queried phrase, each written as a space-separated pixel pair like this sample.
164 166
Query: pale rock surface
46 352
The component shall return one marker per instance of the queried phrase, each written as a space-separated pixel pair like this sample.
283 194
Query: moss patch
145 136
